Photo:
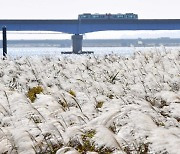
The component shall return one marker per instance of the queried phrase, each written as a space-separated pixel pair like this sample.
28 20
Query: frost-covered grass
90 104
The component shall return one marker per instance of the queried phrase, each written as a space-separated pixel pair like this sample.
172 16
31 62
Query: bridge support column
77 43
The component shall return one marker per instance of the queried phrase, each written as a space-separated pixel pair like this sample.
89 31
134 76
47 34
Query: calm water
55 51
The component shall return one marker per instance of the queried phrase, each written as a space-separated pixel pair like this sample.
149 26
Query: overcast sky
66 9
69 9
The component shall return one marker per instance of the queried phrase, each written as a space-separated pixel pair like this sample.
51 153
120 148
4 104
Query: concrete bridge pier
77 43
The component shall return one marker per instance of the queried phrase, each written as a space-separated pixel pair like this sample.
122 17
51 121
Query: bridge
79 27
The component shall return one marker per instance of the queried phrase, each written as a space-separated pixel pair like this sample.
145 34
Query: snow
139 99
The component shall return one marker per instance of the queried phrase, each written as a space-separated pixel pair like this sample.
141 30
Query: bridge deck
85 26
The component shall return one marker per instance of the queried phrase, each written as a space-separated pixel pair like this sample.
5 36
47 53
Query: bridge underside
78 27
92 26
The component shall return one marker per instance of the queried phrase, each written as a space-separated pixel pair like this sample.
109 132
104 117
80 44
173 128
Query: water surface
56 51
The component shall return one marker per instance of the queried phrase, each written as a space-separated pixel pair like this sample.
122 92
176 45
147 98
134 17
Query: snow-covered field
103 104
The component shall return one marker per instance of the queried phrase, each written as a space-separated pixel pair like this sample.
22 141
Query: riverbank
91 103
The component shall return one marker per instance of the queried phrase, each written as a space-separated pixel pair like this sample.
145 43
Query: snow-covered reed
91 104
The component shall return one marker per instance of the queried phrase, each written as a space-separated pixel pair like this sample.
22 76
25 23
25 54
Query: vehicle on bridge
119 16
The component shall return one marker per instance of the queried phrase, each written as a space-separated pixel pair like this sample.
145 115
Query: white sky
69 9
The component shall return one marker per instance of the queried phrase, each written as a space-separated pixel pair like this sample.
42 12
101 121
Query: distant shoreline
140 42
